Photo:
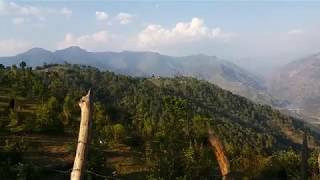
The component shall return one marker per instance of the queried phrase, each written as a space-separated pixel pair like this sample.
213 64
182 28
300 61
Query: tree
67 110
48 116
99 116
22 64
14 125
118 132
14 67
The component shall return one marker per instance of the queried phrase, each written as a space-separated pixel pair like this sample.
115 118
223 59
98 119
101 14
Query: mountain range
298 82
294 87
221 72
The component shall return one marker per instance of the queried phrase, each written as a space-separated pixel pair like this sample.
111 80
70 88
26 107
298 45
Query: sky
250 33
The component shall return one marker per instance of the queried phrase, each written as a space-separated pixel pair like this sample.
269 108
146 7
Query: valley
159 90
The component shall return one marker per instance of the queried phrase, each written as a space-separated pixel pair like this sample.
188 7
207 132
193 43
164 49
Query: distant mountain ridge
221 72
299 83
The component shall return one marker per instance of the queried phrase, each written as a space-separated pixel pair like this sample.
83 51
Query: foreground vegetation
160 123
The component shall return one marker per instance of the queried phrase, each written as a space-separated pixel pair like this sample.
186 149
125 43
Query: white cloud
192 35
296 32
11 47
18 20
155 35
101 16
124 18
30 13
66 12
15 9
93 41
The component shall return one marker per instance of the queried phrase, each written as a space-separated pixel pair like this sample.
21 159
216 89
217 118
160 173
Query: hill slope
298 82
164 119
223 73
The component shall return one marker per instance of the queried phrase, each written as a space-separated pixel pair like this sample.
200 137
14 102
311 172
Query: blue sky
273 31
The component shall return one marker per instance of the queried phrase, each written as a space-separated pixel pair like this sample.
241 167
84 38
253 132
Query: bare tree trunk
84 137
319 162
220 155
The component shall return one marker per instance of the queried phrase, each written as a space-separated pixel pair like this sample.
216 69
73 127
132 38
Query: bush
118 132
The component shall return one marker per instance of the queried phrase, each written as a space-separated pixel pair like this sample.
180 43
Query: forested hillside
159 124
227 75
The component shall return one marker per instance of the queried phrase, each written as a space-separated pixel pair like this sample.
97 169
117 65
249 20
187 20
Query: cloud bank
95 41
155 35
152 37
28 13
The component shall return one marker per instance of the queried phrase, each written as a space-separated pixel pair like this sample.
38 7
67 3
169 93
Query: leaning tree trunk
84 137
319 162
220 154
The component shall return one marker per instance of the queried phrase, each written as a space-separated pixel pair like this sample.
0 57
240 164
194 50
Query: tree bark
220 154
319 162
84 137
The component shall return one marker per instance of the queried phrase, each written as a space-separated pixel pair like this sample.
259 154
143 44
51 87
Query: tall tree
22 64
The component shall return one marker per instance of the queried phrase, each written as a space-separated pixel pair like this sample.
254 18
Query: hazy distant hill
299 83
33 57
223 73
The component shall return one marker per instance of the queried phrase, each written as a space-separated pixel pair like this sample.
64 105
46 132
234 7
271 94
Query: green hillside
144 128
